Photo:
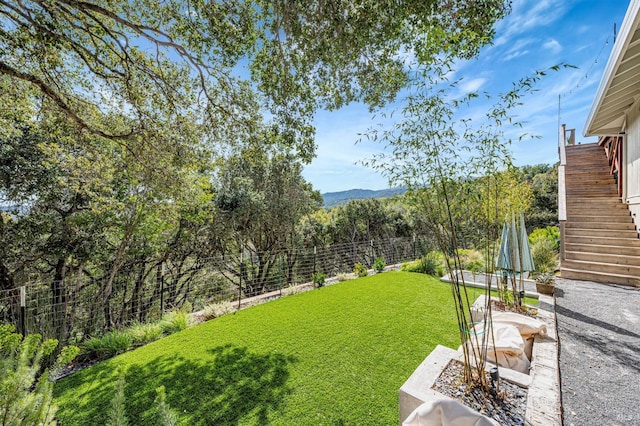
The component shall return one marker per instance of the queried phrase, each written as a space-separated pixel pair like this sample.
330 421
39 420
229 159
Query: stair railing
613 150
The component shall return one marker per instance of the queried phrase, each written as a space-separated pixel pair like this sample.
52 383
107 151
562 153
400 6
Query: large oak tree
140 57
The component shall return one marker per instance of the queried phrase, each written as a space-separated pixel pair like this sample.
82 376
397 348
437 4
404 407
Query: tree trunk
6 279
59 300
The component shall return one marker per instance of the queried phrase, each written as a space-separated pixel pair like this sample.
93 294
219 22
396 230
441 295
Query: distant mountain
332 199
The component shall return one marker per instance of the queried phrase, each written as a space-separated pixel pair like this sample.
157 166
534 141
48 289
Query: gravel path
599 334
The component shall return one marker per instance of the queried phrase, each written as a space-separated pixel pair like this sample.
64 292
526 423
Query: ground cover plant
336 355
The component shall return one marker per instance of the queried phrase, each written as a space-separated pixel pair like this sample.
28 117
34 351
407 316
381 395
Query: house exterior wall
631 160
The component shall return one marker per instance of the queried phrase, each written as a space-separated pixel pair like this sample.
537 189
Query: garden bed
543 384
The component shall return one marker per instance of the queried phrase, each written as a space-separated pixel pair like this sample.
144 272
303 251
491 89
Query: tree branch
6 69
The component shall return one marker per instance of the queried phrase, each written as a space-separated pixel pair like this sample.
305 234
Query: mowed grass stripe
336 355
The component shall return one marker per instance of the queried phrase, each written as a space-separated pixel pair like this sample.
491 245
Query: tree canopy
147 61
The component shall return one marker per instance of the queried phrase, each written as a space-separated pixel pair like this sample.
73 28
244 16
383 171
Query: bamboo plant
460 177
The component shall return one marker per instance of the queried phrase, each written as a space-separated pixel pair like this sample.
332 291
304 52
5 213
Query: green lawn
336 355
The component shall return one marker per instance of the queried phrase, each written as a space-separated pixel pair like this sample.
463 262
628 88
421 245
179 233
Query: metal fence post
373 253
414 246
23 310
280 273
240 282
161 289
314 262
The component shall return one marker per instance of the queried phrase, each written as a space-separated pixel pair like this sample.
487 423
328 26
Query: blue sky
536 35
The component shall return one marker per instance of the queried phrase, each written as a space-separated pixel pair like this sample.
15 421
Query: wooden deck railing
613 149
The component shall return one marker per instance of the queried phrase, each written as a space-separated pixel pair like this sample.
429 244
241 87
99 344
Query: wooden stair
601 241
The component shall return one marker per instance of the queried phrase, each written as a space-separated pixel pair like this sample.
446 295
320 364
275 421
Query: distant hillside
332 199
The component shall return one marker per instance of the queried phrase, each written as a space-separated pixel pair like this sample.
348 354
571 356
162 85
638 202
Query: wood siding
632 161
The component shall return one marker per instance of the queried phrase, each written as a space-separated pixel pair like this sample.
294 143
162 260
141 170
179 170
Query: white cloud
519 49
472 85
528 14
514 54
553 46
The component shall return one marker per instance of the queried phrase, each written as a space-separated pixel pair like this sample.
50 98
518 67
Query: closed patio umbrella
508 255
526 258
514 256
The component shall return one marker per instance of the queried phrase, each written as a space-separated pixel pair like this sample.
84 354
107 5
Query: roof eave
629 25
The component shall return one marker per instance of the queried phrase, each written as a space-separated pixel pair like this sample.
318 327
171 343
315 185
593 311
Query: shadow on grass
231 383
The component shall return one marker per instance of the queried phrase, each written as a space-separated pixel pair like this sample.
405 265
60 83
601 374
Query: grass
336 355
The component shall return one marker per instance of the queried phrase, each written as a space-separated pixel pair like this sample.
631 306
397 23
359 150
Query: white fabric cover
527 326
509 348
446 412
514 334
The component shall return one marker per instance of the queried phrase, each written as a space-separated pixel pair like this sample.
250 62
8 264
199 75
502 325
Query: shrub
142 333
360 270
471 260
545 257
429 264
343 277
175 321
25 396
215 310
412 266
550 233
108 345
379 264
319 279
292 289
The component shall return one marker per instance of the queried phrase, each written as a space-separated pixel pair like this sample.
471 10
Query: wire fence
80 306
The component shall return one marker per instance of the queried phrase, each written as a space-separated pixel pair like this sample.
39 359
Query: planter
544 288
543 406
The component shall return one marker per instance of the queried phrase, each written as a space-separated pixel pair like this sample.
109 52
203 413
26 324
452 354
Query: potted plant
545 283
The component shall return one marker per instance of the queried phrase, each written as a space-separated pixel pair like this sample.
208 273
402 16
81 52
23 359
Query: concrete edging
544 406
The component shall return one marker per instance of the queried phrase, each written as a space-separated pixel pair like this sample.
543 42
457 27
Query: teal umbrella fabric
514 256
526 258
508 253
504 260
514 247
